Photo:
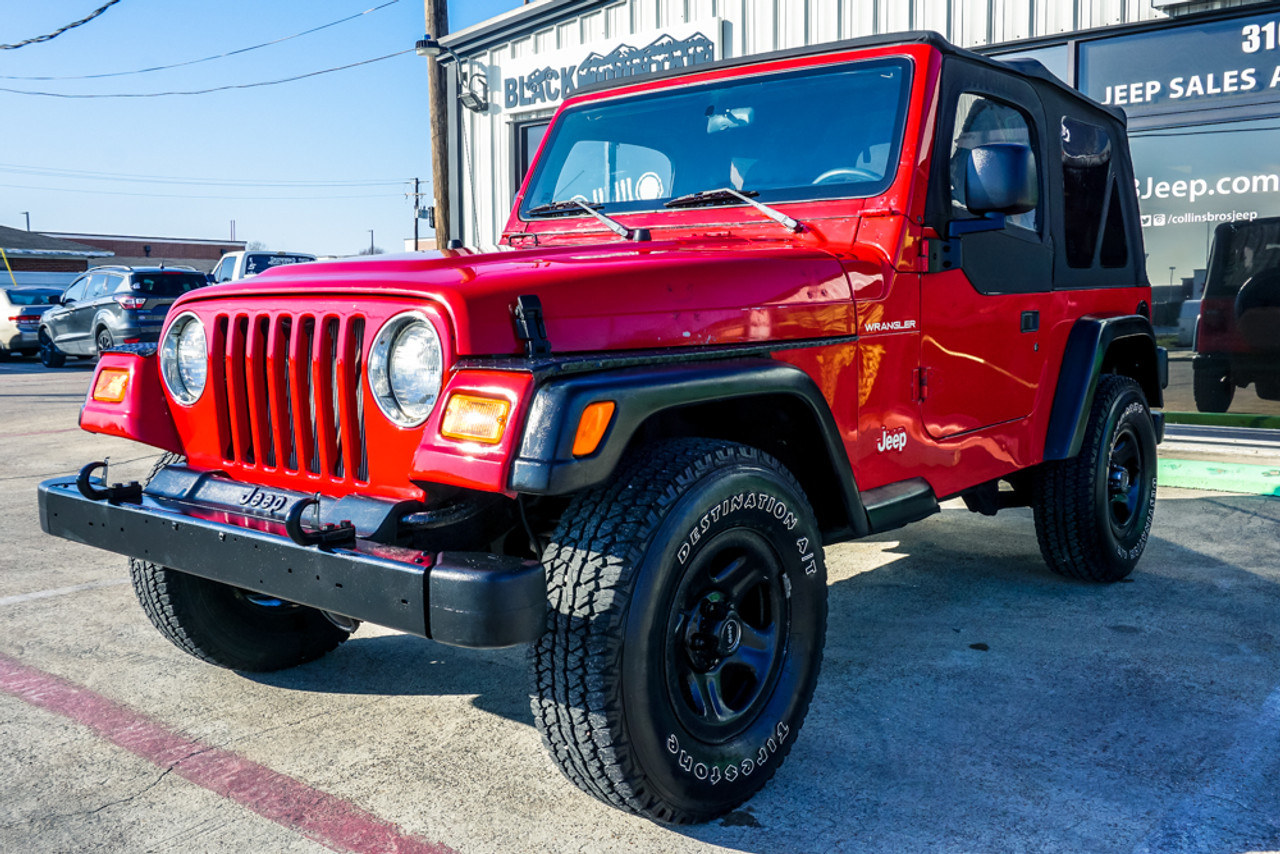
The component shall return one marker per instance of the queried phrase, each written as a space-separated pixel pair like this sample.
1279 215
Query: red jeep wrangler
741 311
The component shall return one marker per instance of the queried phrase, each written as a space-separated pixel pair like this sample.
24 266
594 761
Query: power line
207 58
71 26
213 89
189 196
87 175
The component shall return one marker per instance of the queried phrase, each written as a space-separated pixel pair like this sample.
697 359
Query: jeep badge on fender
725 329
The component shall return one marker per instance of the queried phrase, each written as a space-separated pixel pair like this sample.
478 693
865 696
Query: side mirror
1001 178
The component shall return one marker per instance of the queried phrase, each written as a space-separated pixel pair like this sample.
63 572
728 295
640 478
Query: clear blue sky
187 165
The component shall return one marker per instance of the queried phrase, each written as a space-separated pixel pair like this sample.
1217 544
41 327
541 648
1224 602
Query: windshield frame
903 62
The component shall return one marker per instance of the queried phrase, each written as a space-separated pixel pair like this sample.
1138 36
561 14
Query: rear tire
1213 389
50 355
1268 389
1093 512
103 341
684 636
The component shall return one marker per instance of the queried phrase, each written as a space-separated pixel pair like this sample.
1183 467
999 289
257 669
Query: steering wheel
844 175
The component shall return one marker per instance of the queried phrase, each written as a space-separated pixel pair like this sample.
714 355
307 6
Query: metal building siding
757 26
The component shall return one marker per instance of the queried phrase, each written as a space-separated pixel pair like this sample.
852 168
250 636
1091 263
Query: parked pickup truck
740 312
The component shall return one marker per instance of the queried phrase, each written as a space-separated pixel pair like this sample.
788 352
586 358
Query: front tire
225 625
229 627
1093 512
685 630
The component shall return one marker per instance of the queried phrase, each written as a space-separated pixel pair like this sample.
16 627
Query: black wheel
5 354
1213 389
50 355
684 636
1093 512
230 627
103 340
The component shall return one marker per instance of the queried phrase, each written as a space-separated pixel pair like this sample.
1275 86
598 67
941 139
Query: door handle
1030 321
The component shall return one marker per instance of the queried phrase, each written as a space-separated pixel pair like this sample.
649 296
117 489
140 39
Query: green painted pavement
1220 477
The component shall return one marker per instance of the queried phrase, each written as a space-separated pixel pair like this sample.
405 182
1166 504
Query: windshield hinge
530 327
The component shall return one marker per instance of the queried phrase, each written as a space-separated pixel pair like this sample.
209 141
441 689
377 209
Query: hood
613 296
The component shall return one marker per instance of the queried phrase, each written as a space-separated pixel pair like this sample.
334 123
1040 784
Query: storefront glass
1203 101
1206 190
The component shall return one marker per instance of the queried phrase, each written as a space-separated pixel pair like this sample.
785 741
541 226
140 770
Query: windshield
832 132
164 284
257 262
32 296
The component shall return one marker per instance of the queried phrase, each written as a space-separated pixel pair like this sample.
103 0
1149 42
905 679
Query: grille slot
289 392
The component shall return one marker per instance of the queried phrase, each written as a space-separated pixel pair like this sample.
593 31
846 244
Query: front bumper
469 599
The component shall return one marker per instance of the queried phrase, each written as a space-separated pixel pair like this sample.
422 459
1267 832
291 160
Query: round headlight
406 368
184 359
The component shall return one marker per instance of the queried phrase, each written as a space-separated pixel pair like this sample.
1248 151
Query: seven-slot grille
289 390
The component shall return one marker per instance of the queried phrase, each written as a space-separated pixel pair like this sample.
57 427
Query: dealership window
1189 181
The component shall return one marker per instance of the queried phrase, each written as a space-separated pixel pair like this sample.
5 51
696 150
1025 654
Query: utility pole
371 241
417 203
437 12
27 214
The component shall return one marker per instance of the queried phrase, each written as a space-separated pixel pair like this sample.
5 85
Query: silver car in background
19 301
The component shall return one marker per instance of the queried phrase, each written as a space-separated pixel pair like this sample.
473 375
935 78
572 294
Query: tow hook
330 536
118 493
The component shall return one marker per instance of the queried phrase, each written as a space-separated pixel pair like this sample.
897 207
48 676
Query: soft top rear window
165 284
32 296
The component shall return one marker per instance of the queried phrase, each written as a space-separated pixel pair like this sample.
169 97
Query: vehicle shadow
403 665
971 700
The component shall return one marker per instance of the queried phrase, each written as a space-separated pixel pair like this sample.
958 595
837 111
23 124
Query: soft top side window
1092 218
982 121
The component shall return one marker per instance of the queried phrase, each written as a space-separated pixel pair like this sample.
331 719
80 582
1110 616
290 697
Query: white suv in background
251 262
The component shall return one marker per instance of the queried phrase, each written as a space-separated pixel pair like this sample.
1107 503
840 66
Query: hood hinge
530 327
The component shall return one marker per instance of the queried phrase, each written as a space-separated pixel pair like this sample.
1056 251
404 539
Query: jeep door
981 353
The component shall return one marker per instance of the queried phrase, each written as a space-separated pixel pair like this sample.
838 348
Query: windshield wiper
572 205
724 194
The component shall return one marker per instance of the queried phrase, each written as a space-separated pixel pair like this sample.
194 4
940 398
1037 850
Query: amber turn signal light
110 385
595 420
475 419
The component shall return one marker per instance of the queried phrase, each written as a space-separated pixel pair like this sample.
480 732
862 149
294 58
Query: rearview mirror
1001 178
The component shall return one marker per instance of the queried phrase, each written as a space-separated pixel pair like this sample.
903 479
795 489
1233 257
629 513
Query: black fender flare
545 464
1084 361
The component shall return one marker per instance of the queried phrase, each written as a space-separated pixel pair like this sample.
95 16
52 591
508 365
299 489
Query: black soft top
1033 71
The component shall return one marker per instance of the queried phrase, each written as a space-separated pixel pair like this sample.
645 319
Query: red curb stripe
290 803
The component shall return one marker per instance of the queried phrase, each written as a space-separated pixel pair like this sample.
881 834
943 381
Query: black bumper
469 599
